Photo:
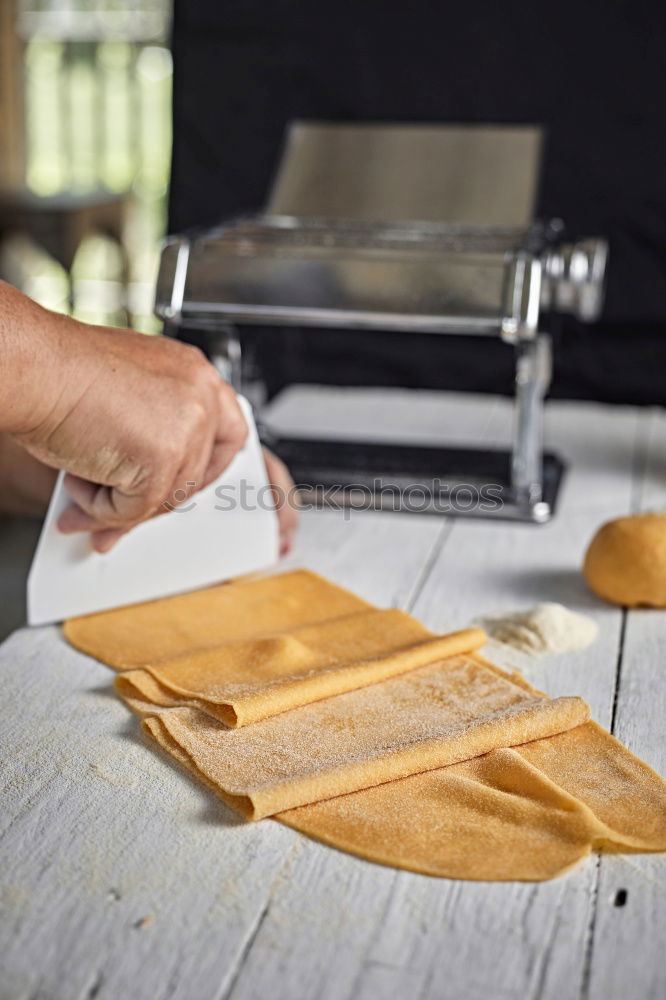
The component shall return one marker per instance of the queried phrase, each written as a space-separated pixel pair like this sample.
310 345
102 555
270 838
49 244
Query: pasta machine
409 228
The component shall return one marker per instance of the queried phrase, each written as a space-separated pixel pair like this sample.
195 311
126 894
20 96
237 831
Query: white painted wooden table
121 878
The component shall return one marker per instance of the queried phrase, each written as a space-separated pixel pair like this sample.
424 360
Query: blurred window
97 88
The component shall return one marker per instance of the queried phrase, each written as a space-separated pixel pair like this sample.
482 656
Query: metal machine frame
477 264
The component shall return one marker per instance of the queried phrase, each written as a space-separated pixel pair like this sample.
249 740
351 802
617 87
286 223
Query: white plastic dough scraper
227 529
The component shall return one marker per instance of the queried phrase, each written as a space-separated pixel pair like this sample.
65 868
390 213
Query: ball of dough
626 561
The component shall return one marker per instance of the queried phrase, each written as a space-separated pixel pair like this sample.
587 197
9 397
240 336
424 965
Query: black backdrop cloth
593 73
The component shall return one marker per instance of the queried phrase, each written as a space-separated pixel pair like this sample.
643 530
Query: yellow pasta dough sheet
229 612
292 698
244 651
245 682
449 711
526 813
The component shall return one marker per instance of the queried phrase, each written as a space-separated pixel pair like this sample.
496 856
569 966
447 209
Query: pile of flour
546 628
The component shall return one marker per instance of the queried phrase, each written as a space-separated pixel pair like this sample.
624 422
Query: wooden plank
120 875
263 911
627 954
335 900
379 556
205 923
519 940
377 933
627 946
319 928
486 569
109 853
650 491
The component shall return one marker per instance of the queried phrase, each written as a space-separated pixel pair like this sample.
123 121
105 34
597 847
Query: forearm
33 359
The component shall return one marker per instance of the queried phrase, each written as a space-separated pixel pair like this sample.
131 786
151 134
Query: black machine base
467 482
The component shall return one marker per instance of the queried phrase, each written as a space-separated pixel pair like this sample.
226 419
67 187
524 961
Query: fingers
170 440
74 519
217 430
286 498
231 431
101 506
103 541
97 508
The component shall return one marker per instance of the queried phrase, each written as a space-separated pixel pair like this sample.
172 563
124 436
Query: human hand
26 485
132 419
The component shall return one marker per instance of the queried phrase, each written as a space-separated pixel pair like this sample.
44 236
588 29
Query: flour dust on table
546 628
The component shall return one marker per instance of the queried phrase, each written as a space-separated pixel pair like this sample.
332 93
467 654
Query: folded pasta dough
239 683
526 813
243 609
394 744
433 716
246 650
